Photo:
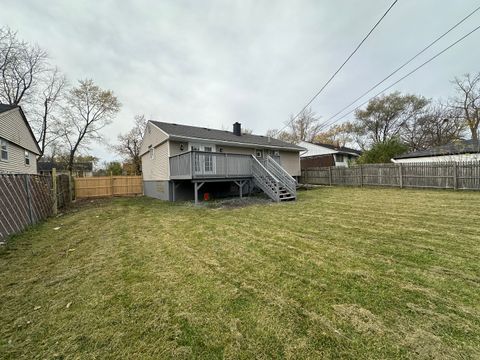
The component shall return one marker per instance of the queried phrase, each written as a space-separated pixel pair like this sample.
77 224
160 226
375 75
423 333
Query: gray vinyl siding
14 129
16 161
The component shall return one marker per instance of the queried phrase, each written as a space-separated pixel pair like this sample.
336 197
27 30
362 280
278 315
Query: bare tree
468 101
128 145
21 65
48 104
8 43
306 126
338 135
438 125
87 110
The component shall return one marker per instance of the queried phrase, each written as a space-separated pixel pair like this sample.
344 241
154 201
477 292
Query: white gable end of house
14 130
153 137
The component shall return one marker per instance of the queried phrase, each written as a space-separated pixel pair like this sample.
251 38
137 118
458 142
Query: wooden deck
210 165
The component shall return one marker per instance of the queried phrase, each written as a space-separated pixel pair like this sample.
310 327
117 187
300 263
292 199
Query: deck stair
273 179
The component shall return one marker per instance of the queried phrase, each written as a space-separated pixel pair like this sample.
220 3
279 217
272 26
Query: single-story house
323 155
181 162
80 169
461 150
18 146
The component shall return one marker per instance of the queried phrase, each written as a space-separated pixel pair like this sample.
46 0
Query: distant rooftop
6 107
78 166
455 148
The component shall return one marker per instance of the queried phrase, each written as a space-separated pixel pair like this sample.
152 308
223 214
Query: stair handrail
290 183
264 168
274 194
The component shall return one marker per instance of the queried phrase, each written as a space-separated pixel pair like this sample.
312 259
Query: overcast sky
211 63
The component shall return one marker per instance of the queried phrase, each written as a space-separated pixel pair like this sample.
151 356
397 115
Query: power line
408 74
325 124
341 66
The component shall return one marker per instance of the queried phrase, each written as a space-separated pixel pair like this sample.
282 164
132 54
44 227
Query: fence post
71 186
330 175
361 175
29 198
400 175
54 191
455 176
111 183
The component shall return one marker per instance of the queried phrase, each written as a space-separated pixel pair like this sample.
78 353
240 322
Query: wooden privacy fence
458 175
24 201
104 186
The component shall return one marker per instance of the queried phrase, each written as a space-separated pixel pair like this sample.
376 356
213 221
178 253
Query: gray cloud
212 63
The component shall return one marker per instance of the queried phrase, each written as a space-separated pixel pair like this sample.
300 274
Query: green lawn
342 273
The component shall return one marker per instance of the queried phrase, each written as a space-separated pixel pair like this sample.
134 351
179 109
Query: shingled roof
181 132
6 107
455 148
341 149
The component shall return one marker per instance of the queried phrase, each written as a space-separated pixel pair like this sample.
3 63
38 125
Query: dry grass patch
341 273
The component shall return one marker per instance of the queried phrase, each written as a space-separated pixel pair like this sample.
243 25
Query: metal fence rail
24 201
440 175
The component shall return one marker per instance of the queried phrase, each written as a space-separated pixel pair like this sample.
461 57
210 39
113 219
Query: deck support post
175 185
240 186
197 187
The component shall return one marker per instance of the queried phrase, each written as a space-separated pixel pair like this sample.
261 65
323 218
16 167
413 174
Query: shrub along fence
445 175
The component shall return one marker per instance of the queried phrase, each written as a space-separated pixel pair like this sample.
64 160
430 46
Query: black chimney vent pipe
237 129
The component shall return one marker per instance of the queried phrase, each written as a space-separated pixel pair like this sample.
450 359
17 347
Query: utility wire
326 123
408 74
340 68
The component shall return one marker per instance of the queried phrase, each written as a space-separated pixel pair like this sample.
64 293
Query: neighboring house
181 162
80 169
18 146
462 150
323 155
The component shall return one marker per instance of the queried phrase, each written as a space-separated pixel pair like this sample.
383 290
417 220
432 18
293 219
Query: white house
322 155
181 162
18 147
462 150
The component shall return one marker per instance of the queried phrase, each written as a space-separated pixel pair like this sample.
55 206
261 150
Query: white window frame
4 144
201 168
151 150
27 158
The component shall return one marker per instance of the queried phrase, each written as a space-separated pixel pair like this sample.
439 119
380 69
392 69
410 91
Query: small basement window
4 149
27 158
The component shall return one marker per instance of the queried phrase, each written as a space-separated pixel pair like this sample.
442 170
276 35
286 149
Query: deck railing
202 164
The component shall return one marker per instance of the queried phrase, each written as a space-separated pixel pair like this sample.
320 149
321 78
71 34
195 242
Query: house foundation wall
158 189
